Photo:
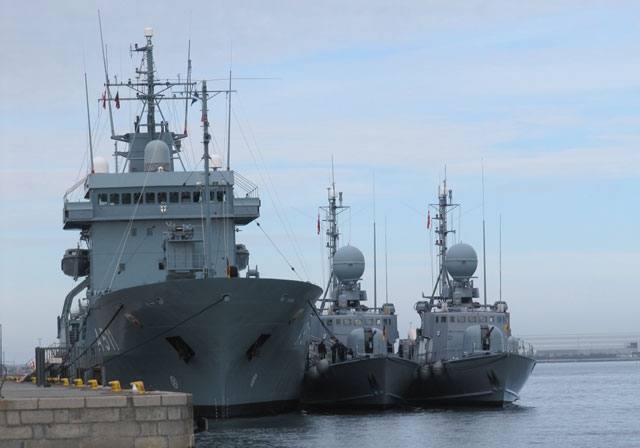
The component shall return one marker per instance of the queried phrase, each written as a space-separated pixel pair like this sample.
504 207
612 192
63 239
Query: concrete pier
72 417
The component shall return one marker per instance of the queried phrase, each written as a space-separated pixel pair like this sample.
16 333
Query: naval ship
352 363
161 298
467 353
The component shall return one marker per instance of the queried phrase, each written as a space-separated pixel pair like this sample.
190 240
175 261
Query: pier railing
64 362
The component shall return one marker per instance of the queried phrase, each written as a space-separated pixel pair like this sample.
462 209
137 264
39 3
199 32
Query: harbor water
563 404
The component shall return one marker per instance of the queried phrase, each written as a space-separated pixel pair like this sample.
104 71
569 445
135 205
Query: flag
318 223
104 100
228 270
194 98
506 325
118 100
428 219
384 333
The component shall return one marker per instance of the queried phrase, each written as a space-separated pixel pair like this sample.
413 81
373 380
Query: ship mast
206 140
442 230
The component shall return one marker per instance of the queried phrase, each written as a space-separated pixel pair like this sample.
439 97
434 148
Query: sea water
581 404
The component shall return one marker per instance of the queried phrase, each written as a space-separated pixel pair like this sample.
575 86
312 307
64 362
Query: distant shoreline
552 361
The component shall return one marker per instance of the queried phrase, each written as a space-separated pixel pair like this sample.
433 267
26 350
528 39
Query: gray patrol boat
164 301
466 351
352 362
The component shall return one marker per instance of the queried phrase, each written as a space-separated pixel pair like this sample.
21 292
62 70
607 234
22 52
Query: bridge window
196 196
491 319
378 321
137 198
500 319
347 321
368 321
186 196
102 199
357 321
150 198
461 318
472 318
174 197
114 199
126 198
482 319
221 195
162 198
337 321
329 322
443 319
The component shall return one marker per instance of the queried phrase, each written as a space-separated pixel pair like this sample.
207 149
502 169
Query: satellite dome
157 155
461 261
100 165
348 264
215 161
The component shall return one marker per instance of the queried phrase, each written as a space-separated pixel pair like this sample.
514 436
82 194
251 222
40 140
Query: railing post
40 366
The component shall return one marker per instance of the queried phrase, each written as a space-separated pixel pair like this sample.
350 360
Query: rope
166 331
281 254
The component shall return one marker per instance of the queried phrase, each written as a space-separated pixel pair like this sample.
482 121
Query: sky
543 97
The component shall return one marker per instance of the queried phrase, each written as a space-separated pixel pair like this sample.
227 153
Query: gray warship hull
484 380
238 345
376 382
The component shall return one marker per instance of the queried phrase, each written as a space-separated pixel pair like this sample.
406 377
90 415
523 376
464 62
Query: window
368 321
102 199
121 268
482 319
126 198
196 197
114 199
337 321
357 321
137 198
221 196
388 321
329 322
150 198
134 231
149 231
186 196
378 321
472 318
443 319
437 319
491 319
162 198
347 321
174 197
461 318
500 319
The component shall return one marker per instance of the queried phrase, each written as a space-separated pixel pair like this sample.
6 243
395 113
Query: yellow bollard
115 386
64 381
77 382
33 379
93 384
10 378
137 386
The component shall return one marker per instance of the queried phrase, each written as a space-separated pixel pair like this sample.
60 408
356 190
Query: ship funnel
461 261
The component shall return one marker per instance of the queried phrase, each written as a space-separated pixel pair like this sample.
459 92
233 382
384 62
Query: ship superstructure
467 352
352 361
165 299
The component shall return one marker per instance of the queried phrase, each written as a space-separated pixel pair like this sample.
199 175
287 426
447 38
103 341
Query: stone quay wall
107 420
